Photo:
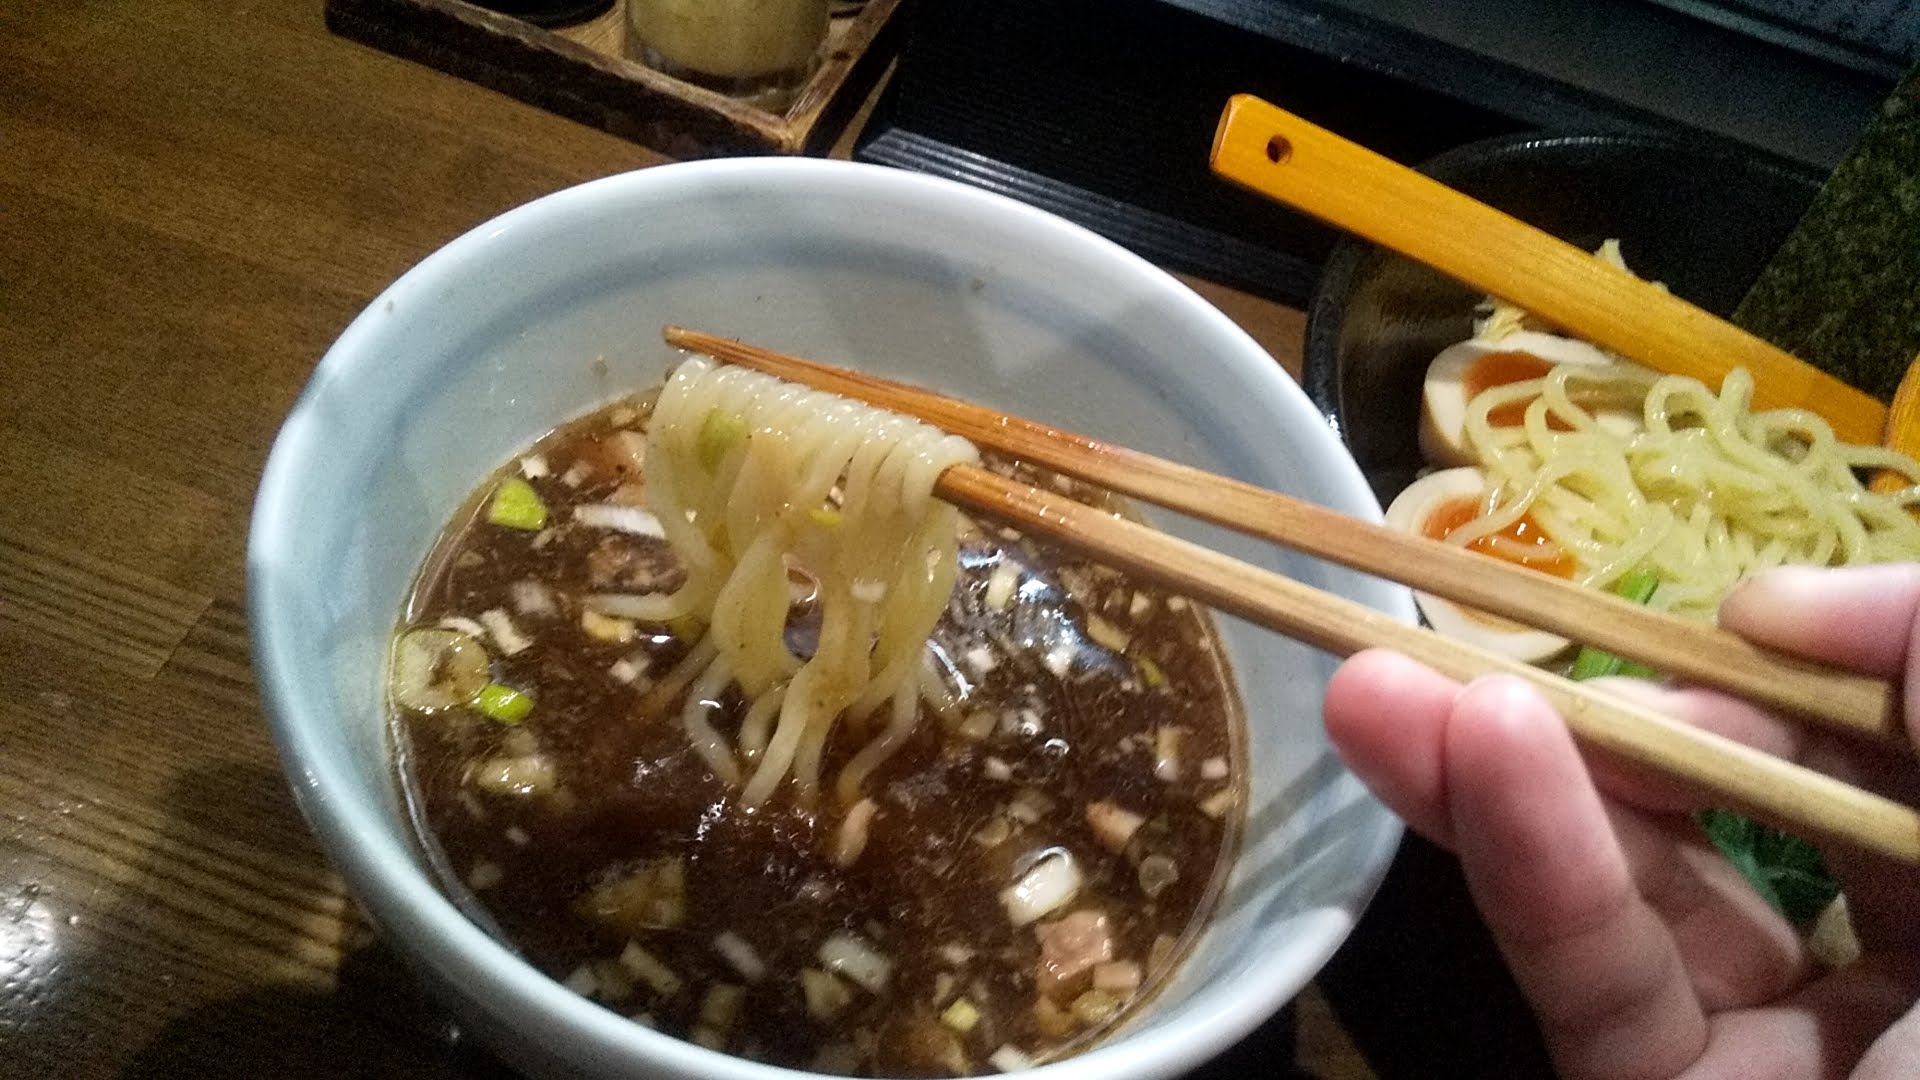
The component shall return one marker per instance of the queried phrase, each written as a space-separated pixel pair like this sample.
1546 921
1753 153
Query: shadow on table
377 1022
1420 986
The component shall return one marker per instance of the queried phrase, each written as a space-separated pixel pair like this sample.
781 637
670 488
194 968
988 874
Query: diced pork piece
624 562
1113 825
1070 946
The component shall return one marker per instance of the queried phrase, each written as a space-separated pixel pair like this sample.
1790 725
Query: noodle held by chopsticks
751 476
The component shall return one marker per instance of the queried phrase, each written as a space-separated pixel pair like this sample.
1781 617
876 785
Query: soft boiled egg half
1462 372
1439 503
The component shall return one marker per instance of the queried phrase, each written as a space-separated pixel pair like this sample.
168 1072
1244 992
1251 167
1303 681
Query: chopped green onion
1150 672
438 668
688 628
1637 586
721 1007
517 506
961 1016
824 516
647 968
1107 635
503 703
719 433
1003 584
1096 1006
826 995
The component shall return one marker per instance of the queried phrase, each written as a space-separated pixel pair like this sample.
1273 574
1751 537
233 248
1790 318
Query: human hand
1643 952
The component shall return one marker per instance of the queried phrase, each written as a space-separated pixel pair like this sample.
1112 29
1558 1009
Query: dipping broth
1012 885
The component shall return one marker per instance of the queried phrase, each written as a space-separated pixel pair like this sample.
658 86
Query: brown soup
1086 724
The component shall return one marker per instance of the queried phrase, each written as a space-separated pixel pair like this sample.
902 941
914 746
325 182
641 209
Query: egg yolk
1500 369
1522 542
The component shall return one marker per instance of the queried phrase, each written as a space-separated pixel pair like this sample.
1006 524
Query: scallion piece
436 668
503 703
961 1016
517 506
1637 585
719 433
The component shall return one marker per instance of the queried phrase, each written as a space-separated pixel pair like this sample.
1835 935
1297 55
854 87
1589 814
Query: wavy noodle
903 715
758 723
1705 491
750 476
702 700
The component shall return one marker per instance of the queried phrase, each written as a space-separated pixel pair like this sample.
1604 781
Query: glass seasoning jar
757 50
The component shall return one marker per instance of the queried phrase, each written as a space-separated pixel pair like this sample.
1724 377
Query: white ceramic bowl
555 307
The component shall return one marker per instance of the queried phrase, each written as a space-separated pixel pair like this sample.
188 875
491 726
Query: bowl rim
408 906
1319 372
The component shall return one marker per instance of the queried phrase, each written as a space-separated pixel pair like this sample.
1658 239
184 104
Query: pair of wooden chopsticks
1729 773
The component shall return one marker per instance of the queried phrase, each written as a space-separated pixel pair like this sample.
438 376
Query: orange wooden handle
1903 428
1270 151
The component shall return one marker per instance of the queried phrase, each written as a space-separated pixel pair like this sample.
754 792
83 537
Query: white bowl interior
556 307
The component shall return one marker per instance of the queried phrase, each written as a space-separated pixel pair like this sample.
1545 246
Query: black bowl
1419 984
1702 217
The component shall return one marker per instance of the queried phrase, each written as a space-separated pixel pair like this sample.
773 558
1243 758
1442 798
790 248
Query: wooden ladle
1277 154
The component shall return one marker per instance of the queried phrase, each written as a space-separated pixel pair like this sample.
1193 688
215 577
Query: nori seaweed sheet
1844 291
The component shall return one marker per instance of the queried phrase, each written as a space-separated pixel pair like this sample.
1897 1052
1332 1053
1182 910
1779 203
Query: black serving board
1103 111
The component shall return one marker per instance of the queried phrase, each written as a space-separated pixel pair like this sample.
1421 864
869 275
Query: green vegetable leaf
1785 870
1594 663
1638 586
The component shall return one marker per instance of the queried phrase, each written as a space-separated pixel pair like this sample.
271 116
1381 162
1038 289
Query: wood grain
196 196
194 199
122 617
588 73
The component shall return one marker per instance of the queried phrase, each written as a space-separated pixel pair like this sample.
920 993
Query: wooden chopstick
1695 652
1726 772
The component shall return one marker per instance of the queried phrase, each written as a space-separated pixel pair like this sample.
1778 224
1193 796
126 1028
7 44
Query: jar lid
546 12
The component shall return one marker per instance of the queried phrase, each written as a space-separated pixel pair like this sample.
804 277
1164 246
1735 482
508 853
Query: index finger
1599 964
1859 617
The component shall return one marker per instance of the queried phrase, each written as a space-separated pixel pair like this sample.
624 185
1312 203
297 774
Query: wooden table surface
196 196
